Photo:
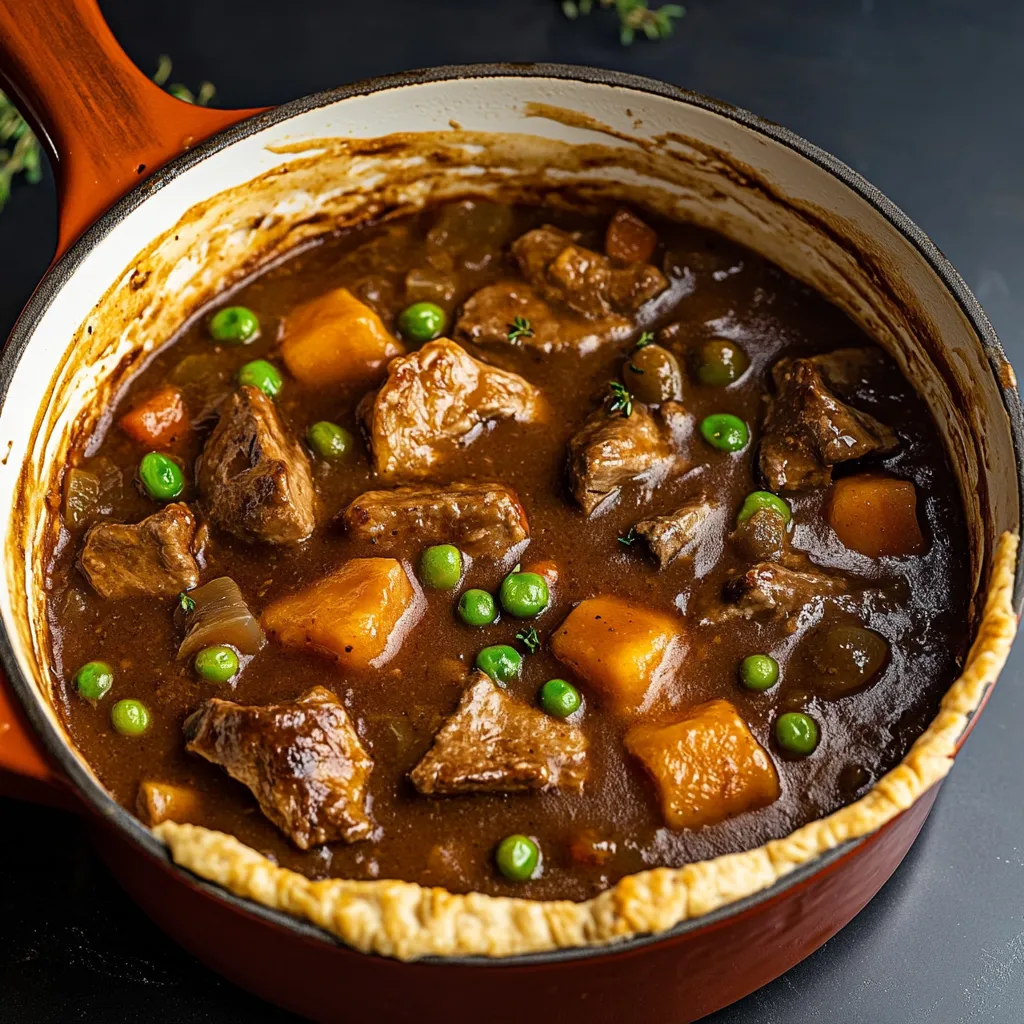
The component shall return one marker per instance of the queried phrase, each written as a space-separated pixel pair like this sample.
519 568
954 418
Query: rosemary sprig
519 328
619 399
634 16
628 538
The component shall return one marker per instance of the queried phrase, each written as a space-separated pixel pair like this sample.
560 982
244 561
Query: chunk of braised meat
255 481
771 590
488 315
483 519
677 533
154 558
302 759
496 744
808 430
563 271
436 398
610 450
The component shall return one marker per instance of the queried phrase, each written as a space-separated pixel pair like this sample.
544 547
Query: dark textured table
925 99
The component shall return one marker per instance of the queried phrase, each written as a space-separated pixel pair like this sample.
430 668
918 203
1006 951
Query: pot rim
57 744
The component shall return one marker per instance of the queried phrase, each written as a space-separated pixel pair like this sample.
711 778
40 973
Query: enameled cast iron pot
134 165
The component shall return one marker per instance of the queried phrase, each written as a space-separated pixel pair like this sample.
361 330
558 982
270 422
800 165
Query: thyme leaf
628 538
186 604
646 338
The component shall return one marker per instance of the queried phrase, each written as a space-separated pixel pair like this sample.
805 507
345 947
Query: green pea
517 858
501 662
759 672
725 432
720 362
524 594
422 321
477 608
559 698
758 500
263 375
235 325
216 664
796 733
329 440
130 717
441 567
161 476
94 680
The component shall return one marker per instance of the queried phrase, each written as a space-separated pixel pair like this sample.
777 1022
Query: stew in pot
508 549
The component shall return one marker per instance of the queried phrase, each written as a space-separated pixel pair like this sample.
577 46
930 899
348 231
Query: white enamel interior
979 437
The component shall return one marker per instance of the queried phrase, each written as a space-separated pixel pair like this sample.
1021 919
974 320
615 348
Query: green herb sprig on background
20 152
634 16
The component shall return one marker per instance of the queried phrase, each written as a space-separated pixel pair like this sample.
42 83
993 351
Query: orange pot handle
105 125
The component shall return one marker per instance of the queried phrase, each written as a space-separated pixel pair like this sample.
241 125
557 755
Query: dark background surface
925 99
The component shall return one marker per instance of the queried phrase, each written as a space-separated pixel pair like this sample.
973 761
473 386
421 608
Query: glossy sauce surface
919 604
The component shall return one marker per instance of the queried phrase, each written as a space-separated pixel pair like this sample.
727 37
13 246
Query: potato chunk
161 801
706 764
358 615
876 515
336 339
624 651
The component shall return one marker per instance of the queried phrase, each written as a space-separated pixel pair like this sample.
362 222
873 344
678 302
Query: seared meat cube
496 744
488 314
808 430
562 271
610 450
255 481
303 761
677 533
481 519
154 558
768 589
435 398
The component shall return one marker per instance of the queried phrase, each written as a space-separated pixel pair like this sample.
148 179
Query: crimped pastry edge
407 921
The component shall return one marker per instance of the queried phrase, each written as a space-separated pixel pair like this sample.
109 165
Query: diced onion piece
468 234
425 284
81 497
220 616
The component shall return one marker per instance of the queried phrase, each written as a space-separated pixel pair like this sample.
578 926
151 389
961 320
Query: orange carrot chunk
876 515
628 239
158 421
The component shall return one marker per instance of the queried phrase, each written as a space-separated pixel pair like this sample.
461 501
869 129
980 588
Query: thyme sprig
520 328
619 399
634 16
529 639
